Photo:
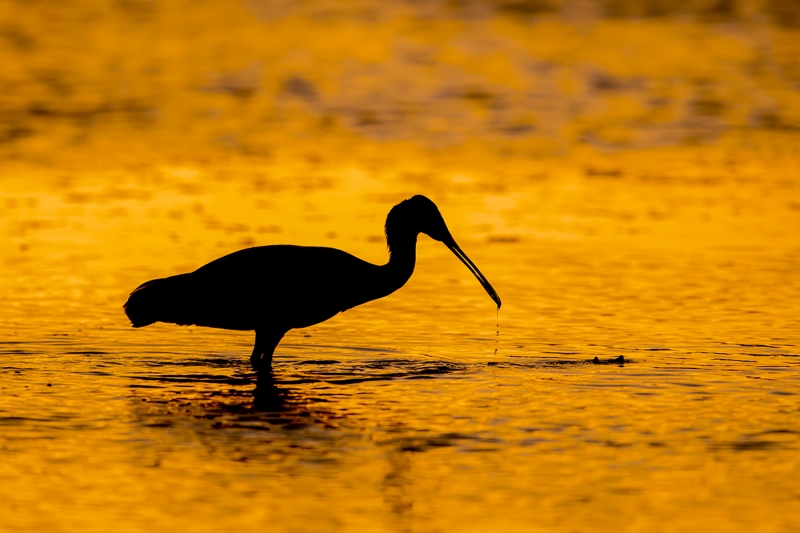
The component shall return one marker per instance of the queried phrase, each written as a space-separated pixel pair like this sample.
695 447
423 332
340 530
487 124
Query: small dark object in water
617 361
272 289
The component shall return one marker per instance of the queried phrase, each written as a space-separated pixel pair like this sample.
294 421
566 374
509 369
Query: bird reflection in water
268 396
272 289
212 402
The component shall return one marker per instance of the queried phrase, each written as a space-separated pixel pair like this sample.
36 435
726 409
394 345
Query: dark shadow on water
295 395
208 402
298 394
314 409
294 383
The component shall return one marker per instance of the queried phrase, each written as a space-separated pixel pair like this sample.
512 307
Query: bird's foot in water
261 364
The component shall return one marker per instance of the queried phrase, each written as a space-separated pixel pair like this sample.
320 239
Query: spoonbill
272 289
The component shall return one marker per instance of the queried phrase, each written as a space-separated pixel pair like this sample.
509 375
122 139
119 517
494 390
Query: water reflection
300 393
268 396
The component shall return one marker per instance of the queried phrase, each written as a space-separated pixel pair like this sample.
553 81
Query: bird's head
418 215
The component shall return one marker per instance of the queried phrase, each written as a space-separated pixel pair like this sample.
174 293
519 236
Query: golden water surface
628 181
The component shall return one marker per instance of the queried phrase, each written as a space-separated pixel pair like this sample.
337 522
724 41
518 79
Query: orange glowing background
625 173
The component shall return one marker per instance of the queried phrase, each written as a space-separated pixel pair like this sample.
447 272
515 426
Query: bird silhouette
272 289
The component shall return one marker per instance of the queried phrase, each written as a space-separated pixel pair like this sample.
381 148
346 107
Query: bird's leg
271 340
258 349
266 342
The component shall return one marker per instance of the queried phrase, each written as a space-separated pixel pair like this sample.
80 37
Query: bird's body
272 289
280 286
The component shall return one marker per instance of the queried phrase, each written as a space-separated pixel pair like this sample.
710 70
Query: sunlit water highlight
426 411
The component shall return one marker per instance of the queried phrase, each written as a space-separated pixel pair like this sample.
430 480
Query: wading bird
272 289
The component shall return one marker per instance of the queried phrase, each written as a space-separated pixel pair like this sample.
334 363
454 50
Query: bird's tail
160 300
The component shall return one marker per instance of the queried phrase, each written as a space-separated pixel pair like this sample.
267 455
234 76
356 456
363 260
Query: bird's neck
402 257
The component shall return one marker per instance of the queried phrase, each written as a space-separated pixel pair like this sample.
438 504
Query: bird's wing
296 285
